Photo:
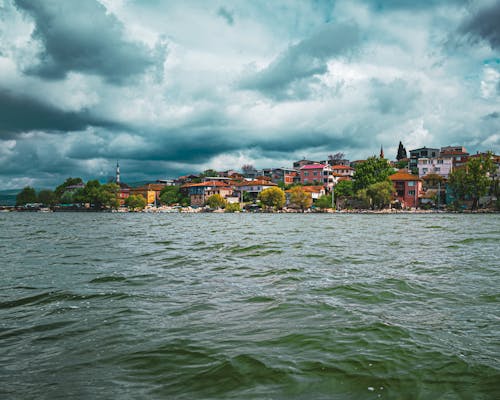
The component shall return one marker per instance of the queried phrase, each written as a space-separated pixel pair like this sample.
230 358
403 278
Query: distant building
150 191
200 192
299 164
343 171
441 166
253 187
317 173
458 154
423 152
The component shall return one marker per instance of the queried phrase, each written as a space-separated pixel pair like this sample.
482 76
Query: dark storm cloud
80 36
303 60
484 25
22 114
493 115
423 5
227 15
394 97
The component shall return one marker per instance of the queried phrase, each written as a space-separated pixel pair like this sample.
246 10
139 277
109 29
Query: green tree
25 196
109 195
99 196
299 198
373 170
377 195
62 187
209 173
473 180
272 197
232 207
324 202
344 189
135 202
216 201
47 197
171 195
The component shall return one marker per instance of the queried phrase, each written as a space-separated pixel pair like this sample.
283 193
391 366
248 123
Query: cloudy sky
171 87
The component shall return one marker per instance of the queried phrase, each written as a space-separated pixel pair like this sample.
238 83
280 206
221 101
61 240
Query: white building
441 166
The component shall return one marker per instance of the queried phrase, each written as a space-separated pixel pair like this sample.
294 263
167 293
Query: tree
344 189
47 197
99 196
247 169
209 173
273 197
324 202
401 152
68 182
334 158
109 195
135 202
380 194
299 198
171 195
371 171
25 196
216 201
472 180
232 207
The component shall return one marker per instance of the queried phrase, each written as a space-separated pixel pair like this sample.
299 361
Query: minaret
381 152
117 173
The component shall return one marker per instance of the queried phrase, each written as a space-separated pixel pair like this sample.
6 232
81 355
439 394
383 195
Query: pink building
408 188
441 166
316 173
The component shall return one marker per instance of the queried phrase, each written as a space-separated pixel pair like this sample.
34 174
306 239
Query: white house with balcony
441 166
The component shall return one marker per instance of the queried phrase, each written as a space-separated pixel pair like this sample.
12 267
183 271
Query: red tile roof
255 183
204 184
342 167
403 175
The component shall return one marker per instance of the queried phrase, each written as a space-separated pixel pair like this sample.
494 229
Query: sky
175 87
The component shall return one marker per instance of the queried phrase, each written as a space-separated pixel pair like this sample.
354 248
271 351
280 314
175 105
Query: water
132 306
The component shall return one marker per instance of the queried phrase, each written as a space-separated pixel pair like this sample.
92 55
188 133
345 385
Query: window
424 161
437 169
411 193
440 161
411 183
306 173
425 170
315 173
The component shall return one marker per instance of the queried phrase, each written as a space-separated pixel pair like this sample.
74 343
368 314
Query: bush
232 207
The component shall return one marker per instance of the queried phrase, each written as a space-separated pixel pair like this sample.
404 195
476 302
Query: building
317 173
458 154
408 188
423 152
315 191
343 171
253 187
150 191
285 175
299 164
200 192
441 166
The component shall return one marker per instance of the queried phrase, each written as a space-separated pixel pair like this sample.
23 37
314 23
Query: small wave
106 279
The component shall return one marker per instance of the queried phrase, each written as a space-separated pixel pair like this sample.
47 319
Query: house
150 191
253 187
123 193
200 192
458 154
282 174
317 173
423 152
299 164
315 191
343 171
408 188
441 166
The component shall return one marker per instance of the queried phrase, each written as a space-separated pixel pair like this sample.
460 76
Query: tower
117 173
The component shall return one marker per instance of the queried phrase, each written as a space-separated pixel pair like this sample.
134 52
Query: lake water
249 306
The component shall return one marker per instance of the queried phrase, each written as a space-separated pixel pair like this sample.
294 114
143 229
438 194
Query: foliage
216 201
246 196
247 168
27 195
402 164
136 202
344 189
273 197
371 171
99 196
336 157
377 195
47 197
473 180
401 152
299 198
62 187
209 173
171 195
66 198
232 207
324 201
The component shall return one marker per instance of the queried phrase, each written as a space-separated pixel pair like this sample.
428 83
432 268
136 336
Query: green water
183 306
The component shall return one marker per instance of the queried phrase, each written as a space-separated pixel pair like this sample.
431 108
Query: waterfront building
253 187
150 191
317 173
408 188
200 192
343 171
423 152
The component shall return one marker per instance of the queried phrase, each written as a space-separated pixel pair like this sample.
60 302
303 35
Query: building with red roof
408 188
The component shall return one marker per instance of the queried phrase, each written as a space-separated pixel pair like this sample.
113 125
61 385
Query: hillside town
446 178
